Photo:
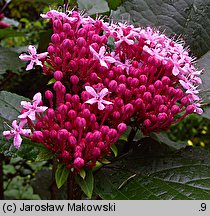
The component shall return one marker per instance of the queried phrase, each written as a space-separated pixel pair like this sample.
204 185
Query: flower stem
1 177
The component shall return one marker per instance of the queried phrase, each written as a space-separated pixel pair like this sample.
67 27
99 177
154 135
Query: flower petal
42 55
103 92
106 102
25 132
91 101
25 57
100 106
32 49
41 109
37 98
102 51
17 141
14 124
30 65
22 123
24 115
91 91
8 134
109 59
32 115
26 104
103 63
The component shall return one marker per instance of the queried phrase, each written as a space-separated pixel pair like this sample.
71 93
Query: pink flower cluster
108 76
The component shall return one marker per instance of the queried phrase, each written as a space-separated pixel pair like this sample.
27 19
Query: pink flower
32 108
126 38
98 97
33 57
101 57
16 131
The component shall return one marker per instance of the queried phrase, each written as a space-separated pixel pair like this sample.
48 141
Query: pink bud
58 60
101 145
122 78
50 113
112 85
74 79
62 134
175 109
81 42
79 163
53 134
92 118
66 27
128 108
190 109
112 133
58 86
72 115
147 123
134 82
72 140
68 97
66 44
49 95
143 79
37 136
51 50
65 154
121 128
62 109
55 38
147 97
163 108
81 32
151 89
80 122
162 117
86 113
57 24
68 126
158 85
96 152
104 129
96 136
158 99
142 89
121 88
58 75
184 101
165 80
116 115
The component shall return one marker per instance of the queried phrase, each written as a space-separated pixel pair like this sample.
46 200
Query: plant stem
1 177
53 186
70 187
130 139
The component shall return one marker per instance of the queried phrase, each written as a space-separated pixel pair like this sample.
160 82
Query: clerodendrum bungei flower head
143 75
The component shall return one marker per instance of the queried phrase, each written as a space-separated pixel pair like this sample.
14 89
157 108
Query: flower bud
74 79
143 79
121 128
58 75
79 162
96 152
55 38
190 109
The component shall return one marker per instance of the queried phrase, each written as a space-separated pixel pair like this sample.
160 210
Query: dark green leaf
152 171
86 184
163 138
10 105
190 19
44 40
114 150
9 61
8 32
113 4
43 155
93 6
61 175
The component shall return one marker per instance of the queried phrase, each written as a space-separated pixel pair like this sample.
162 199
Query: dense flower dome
107 76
